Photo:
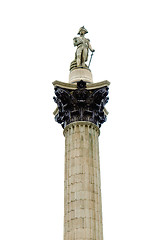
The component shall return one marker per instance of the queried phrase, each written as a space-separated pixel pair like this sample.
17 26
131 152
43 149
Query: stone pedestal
79 74
82 193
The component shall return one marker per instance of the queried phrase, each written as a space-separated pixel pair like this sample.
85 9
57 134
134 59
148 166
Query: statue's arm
90 47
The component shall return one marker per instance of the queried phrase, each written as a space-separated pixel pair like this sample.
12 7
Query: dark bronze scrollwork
81 104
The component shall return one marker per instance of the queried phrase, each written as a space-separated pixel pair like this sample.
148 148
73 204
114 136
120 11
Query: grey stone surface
79 74
82 196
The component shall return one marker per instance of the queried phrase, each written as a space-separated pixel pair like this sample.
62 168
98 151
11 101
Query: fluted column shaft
82 188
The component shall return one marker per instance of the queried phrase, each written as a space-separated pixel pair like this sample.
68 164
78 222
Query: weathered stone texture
79 74
82 203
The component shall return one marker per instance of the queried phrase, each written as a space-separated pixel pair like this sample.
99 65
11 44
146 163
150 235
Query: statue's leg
84 56
83 59
79 56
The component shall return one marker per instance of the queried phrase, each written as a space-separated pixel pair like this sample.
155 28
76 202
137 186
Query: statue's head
82 31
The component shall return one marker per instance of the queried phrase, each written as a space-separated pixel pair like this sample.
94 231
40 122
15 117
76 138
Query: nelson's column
80 111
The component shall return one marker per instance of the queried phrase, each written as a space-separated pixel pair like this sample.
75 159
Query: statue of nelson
83 44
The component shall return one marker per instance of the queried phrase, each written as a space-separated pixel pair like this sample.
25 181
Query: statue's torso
81 42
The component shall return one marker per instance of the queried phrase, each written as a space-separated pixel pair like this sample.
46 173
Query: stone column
82 194
80 111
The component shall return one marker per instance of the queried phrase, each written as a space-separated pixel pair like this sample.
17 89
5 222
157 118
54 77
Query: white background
36 48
